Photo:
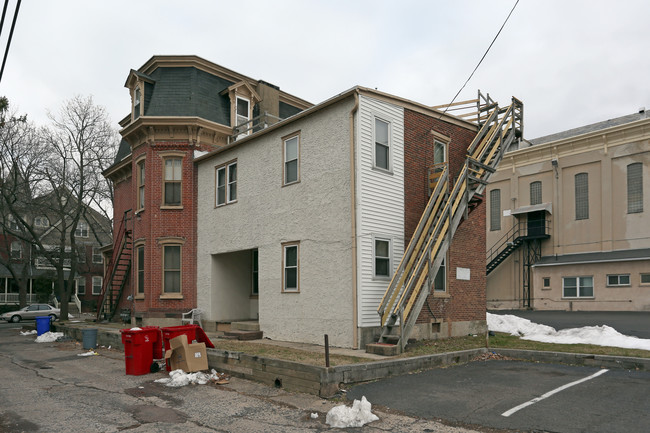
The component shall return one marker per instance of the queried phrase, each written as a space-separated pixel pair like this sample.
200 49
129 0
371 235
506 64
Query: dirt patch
149 414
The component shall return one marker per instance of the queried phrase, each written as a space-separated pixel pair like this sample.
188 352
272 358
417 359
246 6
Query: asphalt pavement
633 323
544 397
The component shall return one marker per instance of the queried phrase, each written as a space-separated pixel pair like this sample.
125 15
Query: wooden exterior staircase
117 271
448 205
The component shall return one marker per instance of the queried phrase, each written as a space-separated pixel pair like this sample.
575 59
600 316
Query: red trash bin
141 347
193 332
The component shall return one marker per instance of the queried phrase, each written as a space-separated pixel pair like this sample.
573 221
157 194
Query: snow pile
48 337
356 416
179 378
598 335
33 331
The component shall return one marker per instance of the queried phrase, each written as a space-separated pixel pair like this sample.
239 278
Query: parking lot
501 394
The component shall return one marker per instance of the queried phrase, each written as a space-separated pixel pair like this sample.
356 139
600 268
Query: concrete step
383 349
243 335
247 325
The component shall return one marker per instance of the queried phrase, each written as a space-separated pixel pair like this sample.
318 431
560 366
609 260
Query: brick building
267 209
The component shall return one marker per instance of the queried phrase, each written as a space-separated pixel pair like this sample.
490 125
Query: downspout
353 213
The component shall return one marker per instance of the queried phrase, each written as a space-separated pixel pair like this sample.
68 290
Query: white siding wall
316 212
380 202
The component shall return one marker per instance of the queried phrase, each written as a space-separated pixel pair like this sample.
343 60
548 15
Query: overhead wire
482 58
11 33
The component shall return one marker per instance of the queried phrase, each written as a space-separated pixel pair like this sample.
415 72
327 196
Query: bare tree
65 184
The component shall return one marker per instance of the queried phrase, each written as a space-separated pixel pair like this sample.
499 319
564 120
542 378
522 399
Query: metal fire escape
447 207
117 271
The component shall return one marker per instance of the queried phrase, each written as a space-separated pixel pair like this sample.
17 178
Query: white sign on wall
506 212
462 274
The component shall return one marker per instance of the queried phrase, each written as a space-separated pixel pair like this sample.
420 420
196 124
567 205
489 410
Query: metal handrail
117 250
256 123
519 230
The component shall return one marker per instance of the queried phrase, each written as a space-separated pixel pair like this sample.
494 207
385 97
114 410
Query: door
536 224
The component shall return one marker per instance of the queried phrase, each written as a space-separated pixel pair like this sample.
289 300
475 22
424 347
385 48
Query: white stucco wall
380 202
316 212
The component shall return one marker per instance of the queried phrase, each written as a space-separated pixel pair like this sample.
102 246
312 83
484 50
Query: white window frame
443 269
239 119
285 141
387 145
375 257
99 280
285 247
619 280
579 286
82 229
443 145
41 221
228 185
645 275
173 181
98 257
141 178
165 290
81 283
16 252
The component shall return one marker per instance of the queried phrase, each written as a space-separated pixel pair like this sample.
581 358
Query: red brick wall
466 299
154 224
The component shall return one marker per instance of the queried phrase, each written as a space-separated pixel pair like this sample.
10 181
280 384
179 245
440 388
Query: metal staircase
117 271
448 205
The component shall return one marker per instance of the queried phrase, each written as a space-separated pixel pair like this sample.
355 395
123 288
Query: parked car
32 312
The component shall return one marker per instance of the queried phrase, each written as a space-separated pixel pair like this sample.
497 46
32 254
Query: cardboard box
187 357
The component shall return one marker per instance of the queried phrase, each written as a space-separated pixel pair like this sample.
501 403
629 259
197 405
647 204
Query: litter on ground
314 415
178 378
28 332
356 416
49 337
91 353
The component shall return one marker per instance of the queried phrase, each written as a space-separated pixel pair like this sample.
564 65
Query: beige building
568 221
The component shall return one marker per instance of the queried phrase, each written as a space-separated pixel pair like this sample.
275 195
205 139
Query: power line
485 54
11 33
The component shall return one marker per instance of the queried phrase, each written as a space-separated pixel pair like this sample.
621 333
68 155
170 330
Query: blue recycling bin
42 325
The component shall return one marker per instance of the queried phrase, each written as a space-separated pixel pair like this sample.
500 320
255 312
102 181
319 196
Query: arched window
582 196
535 192
635 187
495 209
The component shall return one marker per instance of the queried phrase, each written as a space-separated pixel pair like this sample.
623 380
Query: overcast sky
570 62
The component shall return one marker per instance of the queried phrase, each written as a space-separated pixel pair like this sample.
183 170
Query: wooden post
327 351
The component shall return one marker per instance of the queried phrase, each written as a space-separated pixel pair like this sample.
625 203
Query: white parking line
550 393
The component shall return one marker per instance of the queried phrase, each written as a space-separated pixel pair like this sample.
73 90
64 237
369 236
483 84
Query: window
440 281
82 229
172 182
535 192
140 180
291 263
438 152
382 144
97 255
226 184
382 258
140 269
645 278
243 113
635 188
16 250
172 269
618 280
81 254
13 224
291 155
577 287
97 285
582 196
41 221
495 210
137 96
81 286
546 282
255 284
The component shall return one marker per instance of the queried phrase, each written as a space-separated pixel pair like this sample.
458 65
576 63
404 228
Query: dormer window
243 115
137 95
